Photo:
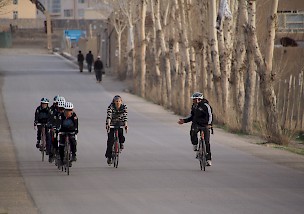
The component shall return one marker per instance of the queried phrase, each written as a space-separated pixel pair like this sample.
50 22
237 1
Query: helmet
44 100
116 97
68 105
61 103
60 99
56 98
197 95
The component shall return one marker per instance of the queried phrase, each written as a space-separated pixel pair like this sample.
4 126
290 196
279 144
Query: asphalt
15 198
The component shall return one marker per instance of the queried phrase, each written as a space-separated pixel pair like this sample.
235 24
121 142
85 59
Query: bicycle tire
43 144
200 154
204 157
68 159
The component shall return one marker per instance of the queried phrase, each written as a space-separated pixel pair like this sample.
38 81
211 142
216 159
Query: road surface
157 173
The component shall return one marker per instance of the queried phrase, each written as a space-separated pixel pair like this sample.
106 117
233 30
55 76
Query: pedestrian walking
80 59
89 60
98 68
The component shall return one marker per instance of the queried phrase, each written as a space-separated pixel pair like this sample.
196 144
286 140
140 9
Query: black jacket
98 65
42 115
80 57
68 124
89 58
201 114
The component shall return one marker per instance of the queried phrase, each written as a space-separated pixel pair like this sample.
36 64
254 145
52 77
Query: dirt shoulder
14 197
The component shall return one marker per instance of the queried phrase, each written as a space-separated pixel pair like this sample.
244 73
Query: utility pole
49 31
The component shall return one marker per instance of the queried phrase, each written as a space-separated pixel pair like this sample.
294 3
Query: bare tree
143 48
266 73
4 3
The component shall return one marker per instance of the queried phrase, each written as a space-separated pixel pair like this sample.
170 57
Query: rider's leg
110 144
73 146
207 141
38 136
121 138
193 136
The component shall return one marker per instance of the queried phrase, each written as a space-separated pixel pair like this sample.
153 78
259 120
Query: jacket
42 115
68 124
118 117
201 114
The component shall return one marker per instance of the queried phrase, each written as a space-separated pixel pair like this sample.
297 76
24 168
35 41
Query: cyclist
43 116
117 115
55 121
69 123
201 116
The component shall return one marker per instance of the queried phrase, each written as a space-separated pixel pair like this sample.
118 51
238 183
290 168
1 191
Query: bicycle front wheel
204 156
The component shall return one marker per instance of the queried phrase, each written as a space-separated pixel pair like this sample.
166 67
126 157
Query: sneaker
209 163
109 161
121 146
195 148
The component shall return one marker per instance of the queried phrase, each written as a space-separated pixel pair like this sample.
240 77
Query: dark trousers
80 66
73 144
47 137
98 75
193 135
89 67
111 139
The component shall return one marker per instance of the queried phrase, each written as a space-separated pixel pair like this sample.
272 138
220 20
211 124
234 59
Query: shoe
109 161
209 163
121 146
195 148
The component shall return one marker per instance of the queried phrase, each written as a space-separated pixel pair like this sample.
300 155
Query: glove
35 123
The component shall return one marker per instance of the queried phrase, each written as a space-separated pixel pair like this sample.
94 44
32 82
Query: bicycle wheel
204 155
68 158
200 154
116 154
43 143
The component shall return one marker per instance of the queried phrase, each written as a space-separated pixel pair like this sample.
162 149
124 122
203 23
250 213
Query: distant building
19 9
58 9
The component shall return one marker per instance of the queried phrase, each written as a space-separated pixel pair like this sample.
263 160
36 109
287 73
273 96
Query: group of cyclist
60 117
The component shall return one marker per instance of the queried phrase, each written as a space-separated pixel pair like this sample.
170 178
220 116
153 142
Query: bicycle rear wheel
116 155
68 158
204 157
43 144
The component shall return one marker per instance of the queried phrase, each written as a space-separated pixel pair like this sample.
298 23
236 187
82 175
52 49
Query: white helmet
197 95
68 105
61 103
60 99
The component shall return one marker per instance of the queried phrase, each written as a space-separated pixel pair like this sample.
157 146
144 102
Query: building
19 9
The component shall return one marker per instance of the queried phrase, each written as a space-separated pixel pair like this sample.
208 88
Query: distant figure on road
80 59
98 68
89 60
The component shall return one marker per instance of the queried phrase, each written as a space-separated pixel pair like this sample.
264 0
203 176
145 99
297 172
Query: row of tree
176 47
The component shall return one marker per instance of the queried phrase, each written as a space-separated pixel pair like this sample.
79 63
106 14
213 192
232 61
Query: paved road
157 173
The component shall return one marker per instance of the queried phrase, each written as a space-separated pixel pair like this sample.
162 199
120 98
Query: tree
266 73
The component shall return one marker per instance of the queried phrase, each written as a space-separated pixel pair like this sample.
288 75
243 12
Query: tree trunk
267 75
215 63
143 49
165 51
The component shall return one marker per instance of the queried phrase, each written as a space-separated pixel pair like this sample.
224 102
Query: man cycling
68 124
201 116
117 115
43 116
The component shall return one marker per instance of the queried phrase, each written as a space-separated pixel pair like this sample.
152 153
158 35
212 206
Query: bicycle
42 146
202 153
116 146
67 152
